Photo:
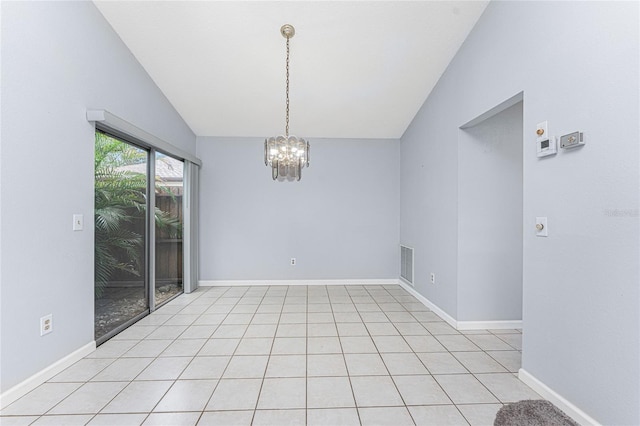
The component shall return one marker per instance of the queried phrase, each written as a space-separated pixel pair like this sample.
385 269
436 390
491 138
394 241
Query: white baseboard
42 376
558 400
461 325
489 325
236 283
426 302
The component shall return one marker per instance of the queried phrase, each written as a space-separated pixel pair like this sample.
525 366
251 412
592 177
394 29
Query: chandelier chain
286 155
287 114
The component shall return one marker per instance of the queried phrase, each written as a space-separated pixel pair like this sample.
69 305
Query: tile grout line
343 355
355 401
186 367
266 367
213 302
385 363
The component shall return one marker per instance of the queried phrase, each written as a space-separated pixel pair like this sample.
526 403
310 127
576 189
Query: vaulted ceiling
359 69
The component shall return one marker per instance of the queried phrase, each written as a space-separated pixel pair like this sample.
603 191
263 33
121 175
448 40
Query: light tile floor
335 355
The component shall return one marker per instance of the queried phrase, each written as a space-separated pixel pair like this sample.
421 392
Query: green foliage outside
120 204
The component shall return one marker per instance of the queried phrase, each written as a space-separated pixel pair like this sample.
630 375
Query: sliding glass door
121 224
169 190
138 232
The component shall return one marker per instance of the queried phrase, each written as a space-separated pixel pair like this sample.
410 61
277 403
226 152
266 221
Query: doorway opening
490 215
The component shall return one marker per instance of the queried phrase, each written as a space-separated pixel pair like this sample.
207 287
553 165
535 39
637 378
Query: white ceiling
359 69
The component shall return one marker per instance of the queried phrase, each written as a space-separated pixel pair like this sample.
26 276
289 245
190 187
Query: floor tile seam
502 350
141 380
385 406
391 320
501 339
355 402
486 387
440 319
387 367
91 419
449 350
509 373
154 359
306 361
406 407
462 414
496 360
475 352
228 362
313 376
267 364
425 366
217 328
86 381
411 351
200 316
447 393
398 389
98 411
197 420
483 385
353 393
258 409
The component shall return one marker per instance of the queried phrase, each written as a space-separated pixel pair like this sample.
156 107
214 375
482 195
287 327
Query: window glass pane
169 222
121 175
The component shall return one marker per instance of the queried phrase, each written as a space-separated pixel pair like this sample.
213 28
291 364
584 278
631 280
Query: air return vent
406 264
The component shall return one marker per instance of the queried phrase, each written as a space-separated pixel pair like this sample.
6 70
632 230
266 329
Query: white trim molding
240 283
490 325
429 304
45 374
552 396
461 325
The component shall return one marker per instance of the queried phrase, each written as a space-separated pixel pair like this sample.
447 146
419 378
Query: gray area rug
532 412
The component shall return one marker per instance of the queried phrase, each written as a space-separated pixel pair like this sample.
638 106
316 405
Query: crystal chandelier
286 155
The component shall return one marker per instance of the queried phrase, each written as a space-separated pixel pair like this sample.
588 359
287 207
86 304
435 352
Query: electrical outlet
293 261
46 324
433 278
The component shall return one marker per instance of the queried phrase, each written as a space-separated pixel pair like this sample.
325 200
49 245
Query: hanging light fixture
286 155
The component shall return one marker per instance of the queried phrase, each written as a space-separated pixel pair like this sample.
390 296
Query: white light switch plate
78 222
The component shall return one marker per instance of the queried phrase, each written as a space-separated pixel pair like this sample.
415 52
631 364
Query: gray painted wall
340 221
490 218
581 296
58 60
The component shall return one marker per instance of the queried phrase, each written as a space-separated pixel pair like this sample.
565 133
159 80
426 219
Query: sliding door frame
190 208
120 129
147 236
151 231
